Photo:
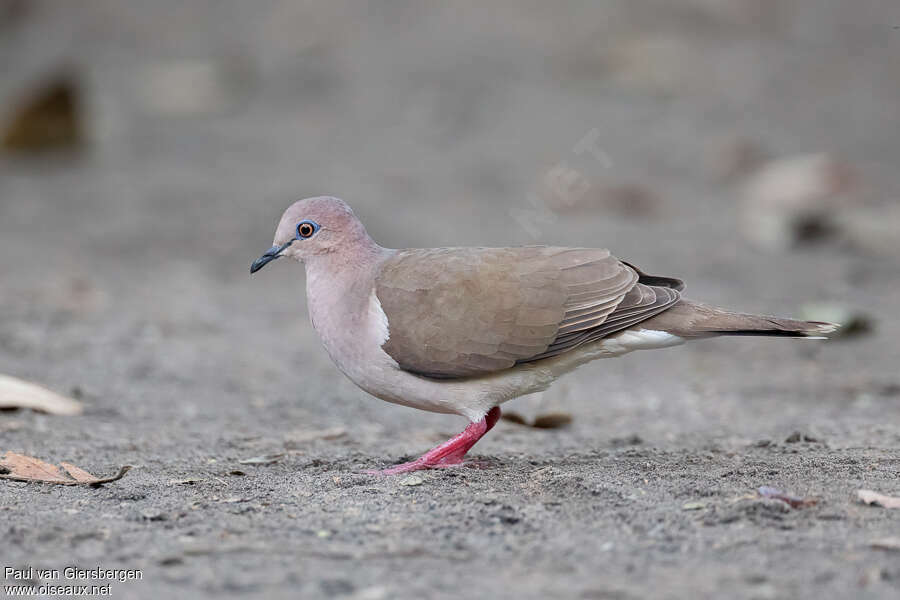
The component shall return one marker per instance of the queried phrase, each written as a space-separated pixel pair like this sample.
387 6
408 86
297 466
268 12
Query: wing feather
459 312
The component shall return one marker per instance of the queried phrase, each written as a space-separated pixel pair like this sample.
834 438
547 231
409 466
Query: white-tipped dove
463 330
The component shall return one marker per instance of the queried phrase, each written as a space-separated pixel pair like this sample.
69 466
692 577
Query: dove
463 330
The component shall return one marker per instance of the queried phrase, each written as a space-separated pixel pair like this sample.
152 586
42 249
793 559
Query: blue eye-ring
306 229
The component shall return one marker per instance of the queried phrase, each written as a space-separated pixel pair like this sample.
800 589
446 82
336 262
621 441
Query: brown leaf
18 467
792 501
552 420
545 421
27 468
16 393
870 497
78 474
515 417
50 117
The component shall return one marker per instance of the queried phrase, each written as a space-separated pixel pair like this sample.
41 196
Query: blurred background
147 150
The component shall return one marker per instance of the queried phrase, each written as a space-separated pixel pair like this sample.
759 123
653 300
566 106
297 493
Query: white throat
343 307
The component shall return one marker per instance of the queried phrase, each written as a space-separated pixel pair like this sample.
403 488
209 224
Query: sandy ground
125 282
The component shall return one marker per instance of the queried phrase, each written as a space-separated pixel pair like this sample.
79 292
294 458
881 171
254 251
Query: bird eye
306 229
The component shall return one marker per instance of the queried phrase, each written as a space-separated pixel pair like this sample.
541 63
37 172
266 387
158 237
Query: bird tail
691 319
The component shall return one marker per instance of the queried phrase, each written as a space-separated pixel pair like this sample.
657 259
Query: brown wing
640 303
457 312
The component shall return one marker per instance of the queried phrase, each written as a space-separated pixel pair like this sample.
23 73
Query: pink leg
450 452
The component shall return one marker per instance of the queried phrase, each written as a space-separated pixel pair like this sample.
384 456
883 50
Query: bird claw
449 454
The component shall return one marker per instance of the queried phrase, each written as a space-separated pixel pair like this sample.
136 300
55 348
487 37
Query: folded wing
460 312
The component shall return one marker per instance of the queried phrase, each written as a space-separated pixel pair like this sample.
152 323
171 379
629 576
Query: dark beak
270 255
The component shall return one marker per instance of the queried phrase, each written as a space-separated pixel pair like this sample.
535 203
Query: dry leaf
792 501
889 543
794 200
515 417
552 420
50 117
870 497
18 467
854 323
546 421
265 459
188 481
16 393
79 474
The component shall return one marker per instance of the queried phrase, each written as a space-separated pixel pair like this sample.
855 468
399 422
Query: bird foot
417 465
449 454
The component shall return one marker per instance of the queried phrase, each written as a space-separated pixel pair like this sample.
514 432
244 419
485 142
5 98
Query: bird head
313 227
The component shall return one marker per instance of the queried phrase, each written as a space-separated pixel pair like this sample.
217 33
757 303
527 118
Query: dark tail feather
658 280
693 319
784 328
